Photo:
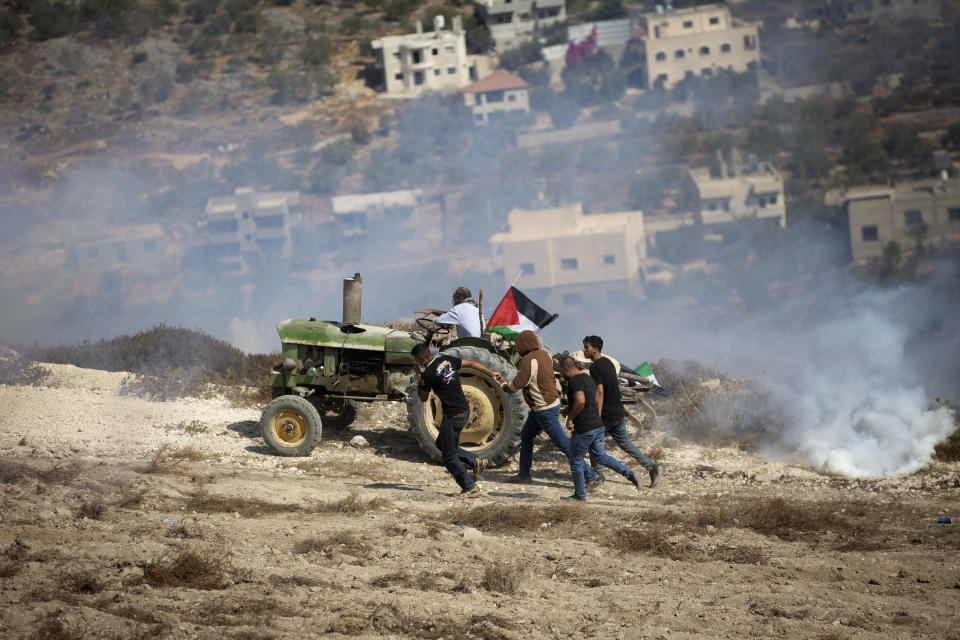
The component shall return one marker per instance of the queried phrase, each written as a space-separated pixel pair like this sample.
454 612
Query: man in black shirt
440 376
584 420
604 374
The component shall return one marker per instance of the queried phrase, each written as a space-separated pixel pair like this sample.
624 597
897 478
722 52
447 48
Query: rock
169 492
359 442
469 533
45 515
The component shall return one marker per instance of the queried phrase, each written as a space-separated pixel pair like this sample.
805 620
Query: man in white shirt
465 314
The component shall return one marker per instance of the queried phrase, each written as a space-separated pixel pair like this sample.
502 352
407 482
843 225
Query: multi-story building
737 190
909 215
142 247
566 258
355 214
512 21
418 62
250 223
500 92
695 41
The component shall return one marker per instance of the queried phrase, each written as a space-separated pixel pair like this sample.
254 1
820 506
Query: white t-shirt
466 317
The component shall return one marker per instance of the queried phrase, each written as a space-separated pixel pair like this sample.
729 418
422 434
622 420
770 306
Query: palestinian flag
646 371
516 313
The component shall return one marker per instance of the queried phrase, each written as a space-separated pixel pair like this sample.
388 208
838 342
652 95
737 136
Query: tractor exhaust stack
352 294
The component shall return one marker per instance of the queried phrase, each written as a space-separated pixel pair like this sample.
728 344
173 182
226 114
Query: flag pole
515 279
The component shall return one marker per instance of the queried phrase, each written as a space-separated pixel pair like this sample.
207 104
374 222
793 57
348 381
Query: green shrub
237 7
10 27
203 46
246 23
287 87
360 134
139 57
156 89
338 152
52 19
186 72
199 10
217 26
316 51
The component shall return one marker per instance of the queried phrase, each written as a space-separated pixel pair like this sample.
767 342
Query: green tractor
329 367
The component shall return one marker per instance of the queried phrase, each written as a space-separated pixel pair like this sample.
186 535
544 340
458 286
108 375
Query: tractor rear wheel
290 426
496 417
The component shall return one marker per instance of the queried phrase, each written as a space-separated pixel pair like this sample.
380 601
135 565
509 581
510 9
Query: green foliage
397 10
203 46
52 19
186 71
383 127
10 27
199 10
552 34
360 134
247 23
139 57
353 25
238 7
647 192
608 10
339 152
156 89
478 38
316 51
288 87
563 110
527 53
535 76
902 142
324 180
219 25
951 139
325 82
764 140
94 10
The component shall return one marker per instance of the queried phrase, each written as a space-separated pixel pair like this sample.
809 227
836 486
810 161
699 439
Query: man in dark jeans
440 376
614 418
584 420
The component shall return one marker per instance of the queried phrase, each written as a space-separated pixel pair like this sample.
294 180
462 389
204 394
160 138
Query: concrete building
908 215
738 190
250 223
568 259
695 41
143 247
419 62
355 214
513 21
498 93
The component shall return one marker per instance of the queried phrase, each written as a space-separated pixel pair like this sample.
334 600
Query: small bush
502 577
343 542
91 510
510 518
189 568
199 10
82 582
352 504
19 371
338 153
360 134
316 51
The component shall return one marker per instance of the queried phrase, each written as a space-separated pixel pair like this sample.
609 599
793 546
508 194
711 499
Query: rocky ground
128 518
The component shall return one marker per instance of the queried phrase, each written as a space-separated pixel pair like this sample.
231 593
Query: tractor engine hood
347 336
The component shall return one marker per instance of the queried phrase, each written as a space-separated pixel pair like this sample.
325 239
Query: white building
500 92
251 223
354 214
695 41
419 62
511 22
568 258
738 190
139 247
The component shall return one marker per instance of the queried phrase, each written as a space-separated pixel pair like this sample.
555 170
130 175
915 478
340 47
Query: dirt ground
128 518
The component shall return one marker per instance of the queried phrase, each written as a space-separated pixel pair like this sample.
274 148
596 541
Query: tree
316 51
527 53
764 140
360 134
647 192
339 152
563 111
951 139
902 142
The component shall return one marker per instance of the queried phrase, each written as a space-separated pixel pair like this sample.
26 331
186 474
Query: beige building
568 258
909 215
419 62
251 223
143 247
513 21
355 214
500 92
695 41
737 190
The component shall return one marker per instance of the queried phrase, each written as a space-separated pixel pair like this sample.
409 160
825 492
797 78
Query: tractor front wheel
290 426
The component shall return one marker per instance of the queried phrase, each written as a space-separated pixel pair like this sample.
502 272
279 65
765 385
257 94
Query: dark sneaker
654 476
635 479
573 498
518 479
479 466
593 485
473 492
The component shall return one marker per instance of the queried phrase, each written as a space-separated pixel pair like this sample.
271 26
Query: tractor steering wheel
432 328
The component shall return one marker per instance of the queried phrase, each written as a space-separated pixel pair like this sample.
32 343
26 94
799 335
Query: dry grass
949 450
511 518
61 474
81 581
91 510
388 620
656 453
192 428
343 542
159 462
352 504
21 371
203 502
190 452
421 581
740 555
502 577
131 496
300 581
653 539
189 568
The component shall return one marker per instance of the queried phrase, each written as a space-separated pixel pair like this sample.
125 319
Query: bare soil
124 517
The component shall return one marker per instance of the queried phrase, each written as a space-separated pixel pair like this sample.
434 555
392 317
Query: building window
572 298
749 43
773 199
763 203
609 259
448 48
436 72
678 53
92 252
396 54
913 218
706 71
726 206
511 97
954 214
417 57
478 117
869 233
661 55
569 264
418 77
398 76
688 24
712 206
434 51
724 48
149 245
528 268
451 71
248 237
246 214
494 96
662 79
704 51
714 20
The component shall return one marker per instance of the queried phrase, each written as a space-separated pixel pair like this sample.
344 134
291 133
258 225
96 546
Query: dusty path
126 518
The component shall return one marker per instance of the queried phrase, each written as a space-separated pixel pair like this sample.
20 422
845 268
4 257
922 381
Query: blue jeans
455 459
591 441
547 420
618 430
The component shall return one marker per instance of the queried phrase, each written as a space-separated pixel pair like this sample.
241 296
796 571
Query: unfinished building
511 22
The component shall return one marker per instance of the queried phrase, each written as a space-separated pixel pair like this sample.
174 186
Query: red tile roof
496 81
